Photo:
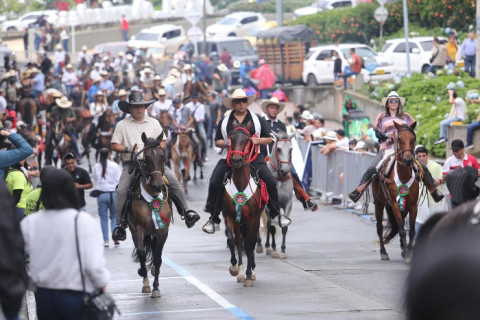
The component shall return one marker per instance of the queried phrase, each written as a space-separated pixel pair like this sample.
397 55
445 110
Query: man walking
469 50
125 27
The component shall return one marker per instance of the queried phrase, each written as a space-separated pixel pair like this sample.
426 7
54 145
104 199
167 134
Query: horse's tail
391 229
147 245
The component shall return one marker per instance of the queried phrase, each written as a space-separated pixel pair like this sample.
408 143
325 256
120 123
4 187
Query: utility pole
279 9
405 26
477 55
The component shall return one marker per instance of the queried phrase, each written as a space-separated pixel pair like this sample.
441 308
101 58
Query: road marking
171 311
140 280
237 312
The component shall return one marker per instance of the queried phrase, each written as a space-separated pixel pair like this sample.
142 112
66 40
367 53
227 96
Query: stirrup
209 227
190 219
119 234
437 196
355 195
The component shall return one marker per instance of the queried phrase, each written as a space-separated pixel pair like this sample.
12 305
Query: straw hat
147 70
157 77
69 66
104 73
98 93
96 80
34 70
161 92
187 67
393 94
54 93
58 47
135 98
175 73
169 80
63 102
84 48
274 101
129 57
97 65
238 94
121 54
331 135
222 67
307 115
105 58
122 93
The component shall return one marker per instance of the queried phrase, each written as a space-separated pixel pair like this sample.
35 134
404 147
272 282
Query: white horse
280 163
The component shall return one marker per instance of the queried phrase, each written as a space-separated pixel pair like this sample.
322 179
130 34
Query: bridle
278 162
399 151
143 167
249 153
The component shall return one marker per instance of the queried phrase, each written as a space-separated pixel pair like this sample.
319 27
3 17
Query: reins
250 149
277 158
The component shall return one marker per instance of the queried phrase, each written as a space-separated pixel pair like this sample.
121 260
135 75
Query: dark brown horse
61 143
242 207
398 193
106 123
183 155
27 107
149 236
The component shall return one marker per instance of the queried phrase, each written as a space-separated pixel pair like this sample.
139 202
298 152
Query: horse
106 123
61 143
150 200
398 192
27 107
183 155
242 209
279 164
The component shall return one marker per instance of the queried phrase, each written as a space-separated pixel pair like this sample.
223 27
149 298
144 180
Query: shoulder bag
98 305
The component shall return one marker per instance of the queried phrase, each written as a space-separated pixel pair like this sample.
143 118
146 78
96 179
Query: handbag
95 193
99 305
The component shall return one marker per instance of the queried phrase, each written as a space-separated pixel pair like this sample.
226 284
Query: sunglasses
242 100
393 100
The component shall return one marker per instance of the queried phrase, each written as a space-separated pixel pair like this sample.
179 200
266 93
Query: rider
61 112
239 102
385 131
272 108
97 108
198 112
127 134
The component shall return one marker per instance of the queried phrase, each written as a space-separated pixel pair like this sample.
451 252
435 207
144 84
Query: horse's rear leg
273 231
268 250
194 171
259 243
283 255
411 233
379 216
250 240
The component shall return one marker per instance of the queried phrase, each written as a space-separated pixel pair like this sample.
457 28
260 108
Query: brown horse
106 123
183 155
149 236
242 207
61 143
27 107
398 193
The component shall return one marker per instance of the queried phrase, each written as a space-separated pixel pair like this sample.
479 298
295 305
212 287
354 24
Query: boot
274 211
189 216
367 177
213 224
309 204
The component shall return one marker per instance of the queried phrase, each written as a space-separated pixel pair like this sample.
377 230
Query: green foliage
268 6
427 102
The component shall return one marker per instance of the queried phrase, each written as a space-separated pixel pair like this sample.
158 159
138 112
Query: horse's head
405 143
184 142
58 130
165 118
240 145
154 165
282 152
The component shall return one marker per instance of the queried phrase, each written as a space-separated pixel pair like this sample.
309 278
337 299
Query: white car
236 24
169 36
321 5
420 53
27 19
318 65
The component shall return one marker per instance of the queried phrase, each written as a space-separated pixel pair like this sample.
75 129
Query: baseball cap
457 144
340 132
176 100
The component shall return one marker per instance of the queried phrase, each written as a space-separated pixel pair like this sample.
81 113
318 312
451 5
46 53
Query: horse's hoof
385 257
146 289
248 283
274 254
408 260
156 293
153 271
259 249
282 255
254 276
268 252
233 270
240 278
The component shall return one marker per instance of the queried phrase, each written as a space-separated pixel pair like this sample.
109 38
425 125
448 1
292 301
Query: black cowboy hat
135 98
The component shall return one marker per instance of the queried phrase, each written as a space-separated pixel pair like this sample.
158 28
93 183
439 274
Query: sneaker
209 227
469 146
441 140
106 244
207 159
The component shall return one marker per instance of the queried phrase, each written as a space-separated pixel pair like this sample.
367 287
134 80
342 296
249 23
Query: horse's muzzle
237 163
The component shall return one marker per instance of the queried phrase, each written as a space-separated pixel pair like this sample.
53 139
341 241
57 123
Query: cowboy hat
104 73
122 93
393 94
238 94
187 67
69 66
175 73
58 47
96 80
222 67
120 54
129 57
360 145
274 101
306 115
84 48
34 70
157 77
331 135
147 70
63 102
161 92
105 58
54 93
135 98
98 93
169 80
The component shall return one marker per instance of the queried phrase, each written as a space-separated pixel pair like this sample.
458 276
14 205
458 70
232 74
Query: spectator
13 276
59 58
439 56
226 58
11 157
360 147
330 139
265 76
69 78
320 130
309 128
19 187
452 49
342 140
337 66
216 115
218 78
348 106
469 53
125 26
458 112
106 175
354 68
80 177
53 268
351 144
245 69
25 42
3 102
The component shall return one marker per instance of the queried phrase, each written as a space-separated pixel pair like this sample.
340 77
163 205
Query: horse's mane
406 127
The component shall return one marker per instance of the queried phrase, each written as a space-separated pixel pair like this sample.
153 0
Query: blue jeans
264 93
106 202
471 128
445 124
125 34
73 138
59 304
470 65
346 74
203 137
433 69
20 213
69 89
65 45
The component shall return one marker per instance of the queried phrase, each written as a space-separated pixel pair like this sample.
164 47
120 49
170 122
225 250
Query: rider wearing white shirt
162 104
198 111
95 73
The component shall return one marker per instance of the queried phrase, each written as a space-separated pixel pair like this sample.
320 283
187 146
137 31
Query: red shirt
12 116
125 24
452 163
357 63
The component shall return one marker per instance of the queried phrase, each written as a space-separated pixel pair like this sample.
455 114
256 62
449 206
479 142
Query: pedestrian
348 105
59 58
469 53
439 56
106 175
245 69
458 112
354 68
64 38
19 186
10 157
452 48
265 76
25 42
125 26
337 66
215 114
80 177
226 58
51 237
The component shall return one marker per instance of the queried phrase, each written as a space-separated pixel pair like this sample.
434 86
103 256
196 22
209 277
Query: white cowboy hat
393 94
122 93
147 70
54 93
306 115
222 67
129 57
187 67
169 80
175 73
331 135
104 73
84 48
96 65
105 58
157 77
238 94
120 54
69 66
161 92
63 102
274 101
360 145
98 79
58 47
98 93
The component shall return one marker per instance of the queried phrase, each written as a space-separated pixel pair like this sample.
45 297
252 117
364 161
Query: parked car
235 24
28 19
321 5
239 48
420 53
169 36
318 65
111 49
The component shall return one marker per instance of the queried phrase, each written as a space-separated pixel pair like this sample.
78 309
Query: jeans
264 93
445 124
203 136
125 34
59 304
36 93
106 202
20 213
433 69
470 65
348 73
65 45
471 128
69 89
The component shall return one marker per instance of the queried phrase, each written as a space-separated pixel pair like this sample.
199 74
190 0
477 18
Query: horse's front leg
250 241
231 245
401 228
157 247
259 243
379 216
142 256
411 234
240 233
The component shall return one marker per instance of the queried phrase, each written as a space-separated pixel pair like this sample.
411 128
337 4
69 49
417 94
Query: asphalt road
332 271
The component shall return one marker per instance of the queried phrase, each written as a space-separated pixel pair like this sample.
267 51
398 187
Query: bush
427 101
268 6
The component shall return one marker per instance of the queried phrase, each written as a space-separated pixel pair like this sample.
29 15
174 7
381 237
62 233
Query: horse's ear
235 123
396 125
160 137
249 126
144 137
274 135
413 125
291 135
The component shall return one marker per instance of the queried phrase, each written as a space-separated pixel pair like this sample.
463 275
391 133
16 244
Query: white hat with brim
274 101
161 92
129 57
175 73
98 93
96 80
393 94
63 102
222 67
69 66
238 94
157 77
122 93
84 48
331 135
187 67
54 93
306 115
360 145
147 70
169 80
58 47
104 73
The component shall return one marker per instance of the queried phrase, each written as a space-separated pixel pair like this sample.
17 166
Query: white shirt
3 104
64 35
84 55
111 179
318 133
69 78
460 108
343 144
96 110
59 56
160 106
198 111
94 74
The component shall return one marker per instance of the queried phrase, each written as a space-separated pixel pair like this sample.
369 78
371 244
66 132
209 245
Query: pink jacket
266 76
